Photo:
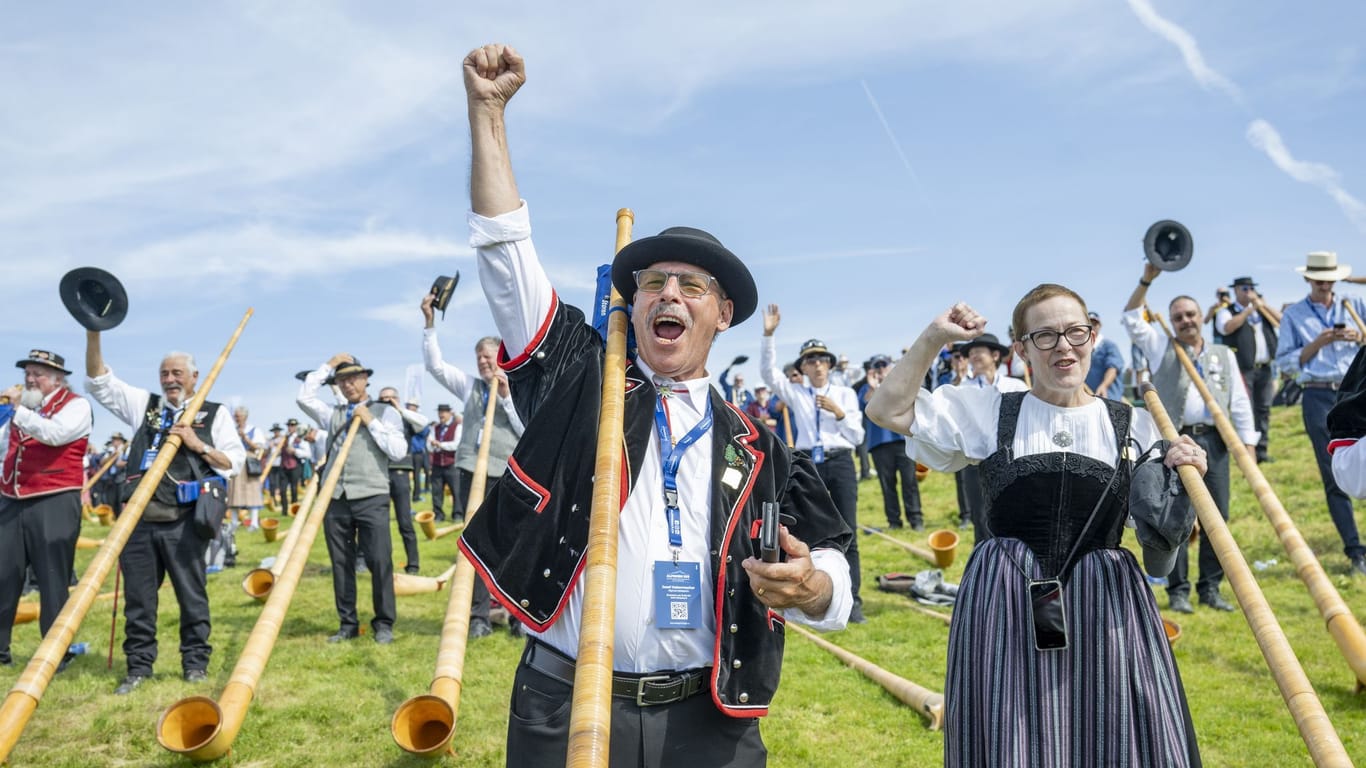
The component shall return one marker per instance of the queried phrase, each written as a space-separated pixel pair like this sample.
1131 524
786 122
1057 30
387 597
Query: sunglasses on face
690 284
1047 338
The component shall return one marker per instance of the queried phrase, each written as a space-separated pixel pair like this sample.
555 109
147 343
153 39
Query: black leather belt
1333 385
645 690
1197 429
830 453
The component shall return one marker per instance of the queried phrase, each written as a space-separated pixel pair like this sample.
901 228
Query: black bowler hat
987 340
94 297
44 357
276 428
689 246
443 407
1239 282
292 423
353 368
814 347
443 288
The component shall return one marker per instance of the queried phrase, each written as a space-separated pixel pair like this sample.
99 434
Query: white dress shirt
129 404
521 299
460 383
66 425
801 400
1254 319
386 427
449 445
1349 468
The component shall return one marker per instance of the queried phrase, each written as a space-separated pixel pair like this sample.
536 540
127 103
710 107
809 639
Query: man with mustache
164 541
1219 369
43 439
699 617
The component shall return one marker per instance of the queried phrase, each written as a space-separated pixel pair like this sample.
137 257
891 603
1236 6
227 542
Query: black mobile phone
1339 326
768 533
1050 620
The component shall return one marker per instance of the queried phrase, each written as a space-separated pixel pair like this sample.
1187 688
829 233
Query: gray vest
366 471
1216 363
500 445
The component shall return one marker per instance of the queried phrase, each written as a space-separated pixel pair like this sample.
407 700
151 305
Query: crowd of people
1050 457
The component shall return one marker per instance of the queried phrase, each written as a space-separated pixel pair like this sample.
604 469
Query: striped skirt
1113 697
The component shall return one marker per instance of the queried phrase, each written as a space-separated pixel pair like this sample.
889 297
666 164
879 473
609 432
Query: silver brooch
1062 438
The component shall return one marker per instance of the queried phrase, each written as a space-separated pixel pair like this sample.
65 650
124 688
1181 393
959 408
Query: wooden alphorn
590 719
203 729
425 724
1361 327
28 689
923 700
944 542
1325 748
1342 625
260 581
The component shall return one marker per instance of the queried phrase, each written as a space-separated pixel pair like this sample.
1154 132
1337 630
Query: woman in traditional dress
1057 655
244 494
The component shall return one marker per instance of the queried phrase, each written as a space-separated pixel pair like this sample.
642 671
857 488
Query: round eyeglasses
690 284
1047 338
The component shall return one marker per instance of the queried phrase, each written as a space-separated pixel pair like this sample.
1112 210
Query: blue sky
872 162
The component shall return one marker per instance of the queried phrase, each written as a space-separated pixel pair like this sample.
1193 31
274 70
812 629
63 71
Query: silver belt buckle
640 687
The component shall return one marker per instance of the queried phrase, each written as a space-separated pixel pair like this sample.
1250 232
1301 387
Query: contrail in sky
896 145
1190 50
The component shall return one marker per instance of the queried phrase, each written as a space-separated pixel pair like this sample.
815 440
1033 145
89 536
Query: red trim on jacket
33 468
1333 445
533 345
536 488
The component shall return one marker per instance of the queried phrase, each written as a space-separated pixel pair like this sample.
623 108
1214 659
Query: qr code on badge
678 611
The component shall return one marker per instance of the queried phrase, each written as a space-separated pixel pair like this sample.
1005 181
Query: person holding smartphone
1055 628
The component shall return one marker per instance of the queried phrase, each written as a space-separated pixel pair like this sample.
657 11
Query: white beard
31 399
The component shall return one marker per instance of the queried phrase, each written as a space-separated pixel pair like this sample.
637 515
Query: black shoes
196 676
5 659
384 635
67 658
1180 604
129 683
856 615
1359 565
411 569
917 525
479 628
1213 600
342 635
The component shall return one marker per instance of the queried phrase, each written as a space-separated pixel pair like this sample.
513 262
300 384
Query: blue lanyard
1328 320
671 456
164 425
817 409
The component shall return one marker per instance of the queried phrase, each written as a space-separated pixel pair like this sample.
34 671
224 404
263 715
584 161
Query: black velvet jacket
529 537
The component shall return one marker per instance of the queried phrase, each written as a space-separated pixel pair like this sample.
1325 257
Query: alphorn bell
590 717
1325 748
943 546
1342 625
259 581
923 700
203 729
28 689
425 724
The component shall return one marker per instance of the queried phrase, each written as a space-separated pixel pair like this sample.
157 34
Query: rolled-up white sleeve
832 563
955 426
388 433
225 441
64 426
1349 468
519 293
126 402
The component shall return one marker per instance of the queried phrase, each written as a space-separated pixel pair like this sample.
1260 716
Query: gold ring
760 592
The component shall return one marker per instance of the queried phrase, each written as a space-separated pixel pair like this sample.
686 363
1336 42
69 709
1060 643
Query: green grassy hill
321 704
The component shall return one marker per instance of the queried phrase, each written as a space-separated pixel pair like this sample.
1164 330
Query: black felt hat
94 297
443 288
1347 418
1241 281
987 340
352 368
443 407
44 357
689 246
814 347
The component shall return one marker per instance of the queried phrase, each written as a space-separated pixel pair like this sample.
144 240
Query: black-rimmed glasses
1047 338
690 284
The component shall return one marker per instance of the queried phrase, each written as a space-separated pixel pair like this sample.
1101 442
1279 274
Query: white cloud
1264 137
1204 74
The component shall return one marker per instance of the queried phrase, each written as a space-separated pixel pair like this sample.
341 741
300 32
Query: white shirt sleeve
1221 320
955 426
388 433
1153 344
64 426
851 426
771 372
126 402
833 563
1241 407
308 399
515 421
225 440
450 377
1349 469
417 418
519 293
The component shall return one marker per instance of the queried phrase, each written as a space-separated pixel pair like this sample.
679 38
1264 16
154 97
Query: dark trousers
863 461
294 477
890 460
480 600
1261 390
276 480
39 533
971 502
363 522
1315 404
443 478
421 478
400 489
155 550
837 472
685 734
1216 482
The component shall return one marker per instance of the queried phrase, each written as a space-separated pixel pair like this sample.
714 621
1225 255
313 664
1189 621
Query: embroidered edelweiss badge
733 458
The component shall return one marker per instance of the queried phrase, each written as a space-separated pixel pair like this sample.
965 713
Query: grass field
321 704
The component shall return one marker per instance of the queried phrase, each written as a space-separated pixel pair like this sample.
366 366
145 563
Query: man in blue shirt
888 450
1107 365
1318 340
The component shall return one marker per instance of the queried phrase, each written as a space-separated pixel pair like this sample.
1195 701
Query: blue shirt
1105 357
877 435
418 442
1301 323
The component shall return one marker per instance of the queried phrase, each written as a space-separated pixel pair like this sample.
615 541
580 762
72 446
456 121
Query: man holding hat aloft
1318 340
698 633
829 424
1248 327
359 510
42 470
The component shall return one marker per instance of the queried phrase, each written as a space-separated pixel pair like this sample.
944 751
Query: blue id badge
818 453
148 456
678 595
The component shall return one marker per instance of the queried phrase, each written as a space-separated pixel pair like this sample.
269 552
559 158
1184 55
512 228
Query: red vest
34 469
444 433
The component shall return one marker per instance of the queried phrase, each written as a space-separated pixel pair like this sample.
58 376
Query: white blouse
956 426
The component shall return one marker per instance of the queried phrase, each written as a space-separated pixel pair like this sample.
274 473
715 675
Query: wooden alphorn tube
1361 327
203 729
923 700
1325 748
425 724
1342 625
590 718
944 543
412 584
259 581
28 689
